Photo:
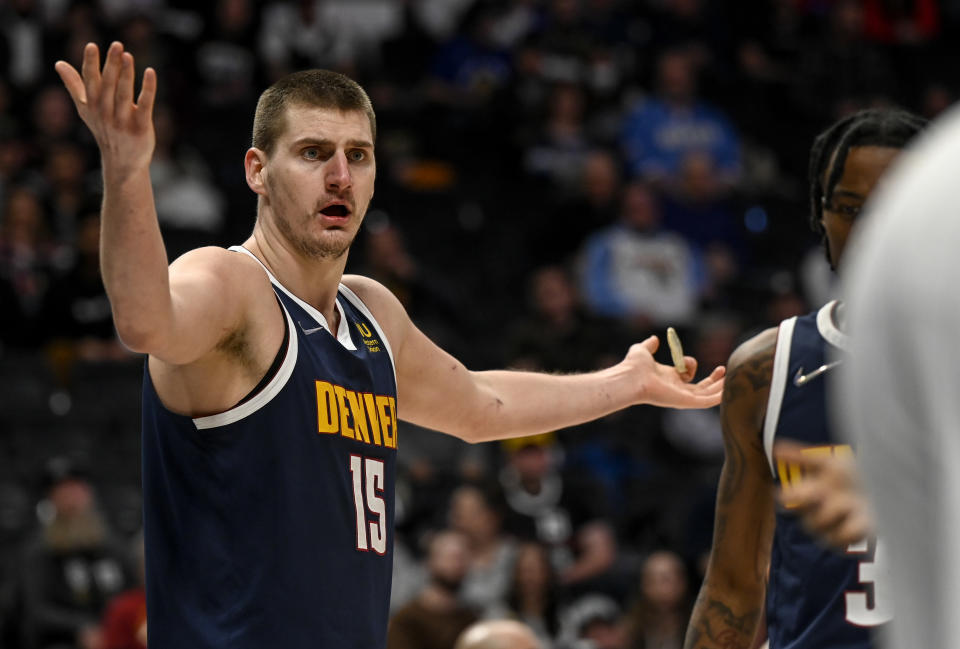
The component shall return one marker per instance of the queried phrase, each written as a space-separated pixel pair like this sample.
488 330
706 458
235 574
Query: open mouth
335 210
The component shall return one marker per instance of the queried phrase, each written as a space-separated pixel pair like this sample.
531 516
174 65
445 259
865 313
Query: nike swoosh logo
310 331
801 379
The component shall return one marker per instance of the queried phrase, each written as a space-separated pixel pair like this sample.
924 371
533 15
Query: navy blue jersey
816 597
270 524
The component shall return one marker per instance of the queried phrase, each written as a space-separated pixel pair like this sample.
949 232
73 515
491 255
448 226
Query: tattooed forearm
715 626
730 604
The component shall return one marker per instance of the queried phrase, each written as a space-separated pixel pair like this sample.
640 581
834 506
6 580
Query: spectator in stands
72 568
66 186
21 31
190 206
124 624
637 272
76 309
498 634
556 335
477 511
533 596
661 132
658 619
841 71
561 146
555 509
594 621
26 257
436 617
588 203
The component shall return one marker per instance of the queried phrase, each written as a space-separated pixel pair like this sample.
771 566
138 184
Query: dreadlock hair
887 127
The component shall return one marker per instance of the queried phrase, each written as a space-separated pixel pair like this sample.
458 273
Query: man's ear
254 164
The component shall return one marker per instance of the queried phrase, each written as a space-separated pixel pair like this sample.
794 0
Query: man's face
319 179
861 172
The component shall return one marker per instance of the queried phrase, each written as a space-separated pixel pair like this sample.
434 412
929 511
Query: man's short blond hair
311 88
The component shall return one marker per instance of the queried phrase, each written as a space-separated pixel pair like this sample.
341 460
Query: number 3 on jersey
859 609
368 479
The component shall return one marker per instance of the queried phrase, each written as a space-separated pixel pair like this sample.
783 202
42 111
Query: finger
90 70
794 453
148 93
715 376
690 363
651 344
108 84
685 397
124 96
72 81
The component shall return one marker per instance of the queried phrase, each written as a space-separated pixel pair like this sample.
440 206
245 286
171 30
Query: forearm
133 259
725 618
515 404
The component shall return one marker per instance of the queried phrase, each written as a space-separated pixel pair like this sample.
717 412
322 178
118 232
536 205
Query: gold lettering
359 418
326 408
364 330
386 421
393 417
345 428
368 400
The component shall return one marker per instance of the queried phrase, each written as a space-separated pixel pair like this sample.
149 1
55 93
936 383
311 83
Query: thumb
651 344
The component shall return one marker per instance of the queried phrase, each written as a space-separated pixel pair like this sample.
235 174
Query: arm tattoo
714 625
717 627
745 382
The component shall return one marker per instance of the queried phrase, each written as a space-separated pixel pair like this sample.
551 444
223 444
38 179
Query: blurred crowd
557 179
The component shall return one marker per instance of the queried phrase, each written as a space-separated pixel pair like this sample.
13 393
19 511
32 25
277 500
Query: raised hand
104 100
661 385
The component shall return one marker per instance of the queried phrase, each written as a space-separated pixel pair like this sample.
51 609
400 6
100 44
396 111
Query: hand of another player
829 498
661 385
104 100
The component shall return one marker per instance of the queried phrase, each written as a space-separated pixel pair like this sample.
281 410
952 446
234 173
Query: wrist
623 385
117 173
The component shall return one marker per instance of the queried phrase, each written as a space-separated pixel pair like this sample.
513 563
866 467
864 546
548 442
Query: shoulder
374 295
220 262
759 348
382 303
747 384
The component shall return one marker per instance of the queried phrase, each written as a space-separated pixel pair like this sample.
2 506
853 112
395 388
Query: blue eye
311 154
357 155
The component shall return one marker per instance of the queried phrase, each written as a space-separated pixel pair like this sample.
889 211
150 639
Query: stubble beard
324 249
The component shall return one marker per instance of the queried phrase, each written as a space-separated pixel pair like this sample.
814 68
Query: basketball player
900 389
274 383
815 596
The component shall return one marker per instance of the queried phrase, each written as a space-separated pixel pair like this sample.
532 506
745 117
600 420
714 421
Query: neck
315 281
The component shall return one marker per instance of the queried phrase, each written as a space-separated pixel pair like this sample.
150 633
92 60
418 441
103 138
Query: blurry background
557 179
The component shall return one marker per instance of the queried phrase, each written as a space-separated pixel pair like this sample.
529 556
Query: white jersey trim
343 330
778 385
358 303
265 395
828 328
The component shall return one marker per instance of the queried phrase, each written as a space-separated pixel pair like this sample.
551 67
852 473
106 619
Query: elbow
137 336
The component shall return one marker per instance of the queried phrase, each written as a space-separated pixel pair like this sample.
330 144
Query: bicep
743 529
206 305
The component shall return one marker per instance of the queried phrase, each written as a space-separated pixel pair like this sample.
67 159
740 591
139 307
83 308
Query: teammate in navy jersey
274 383
815 596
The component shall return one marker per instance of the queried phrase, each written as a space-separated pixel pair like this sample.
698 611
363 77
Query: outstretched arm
730 604
177 315
438 392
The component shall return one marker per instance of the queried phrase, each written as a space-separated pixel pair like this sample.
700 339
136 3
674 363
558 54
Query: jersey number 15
368 478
